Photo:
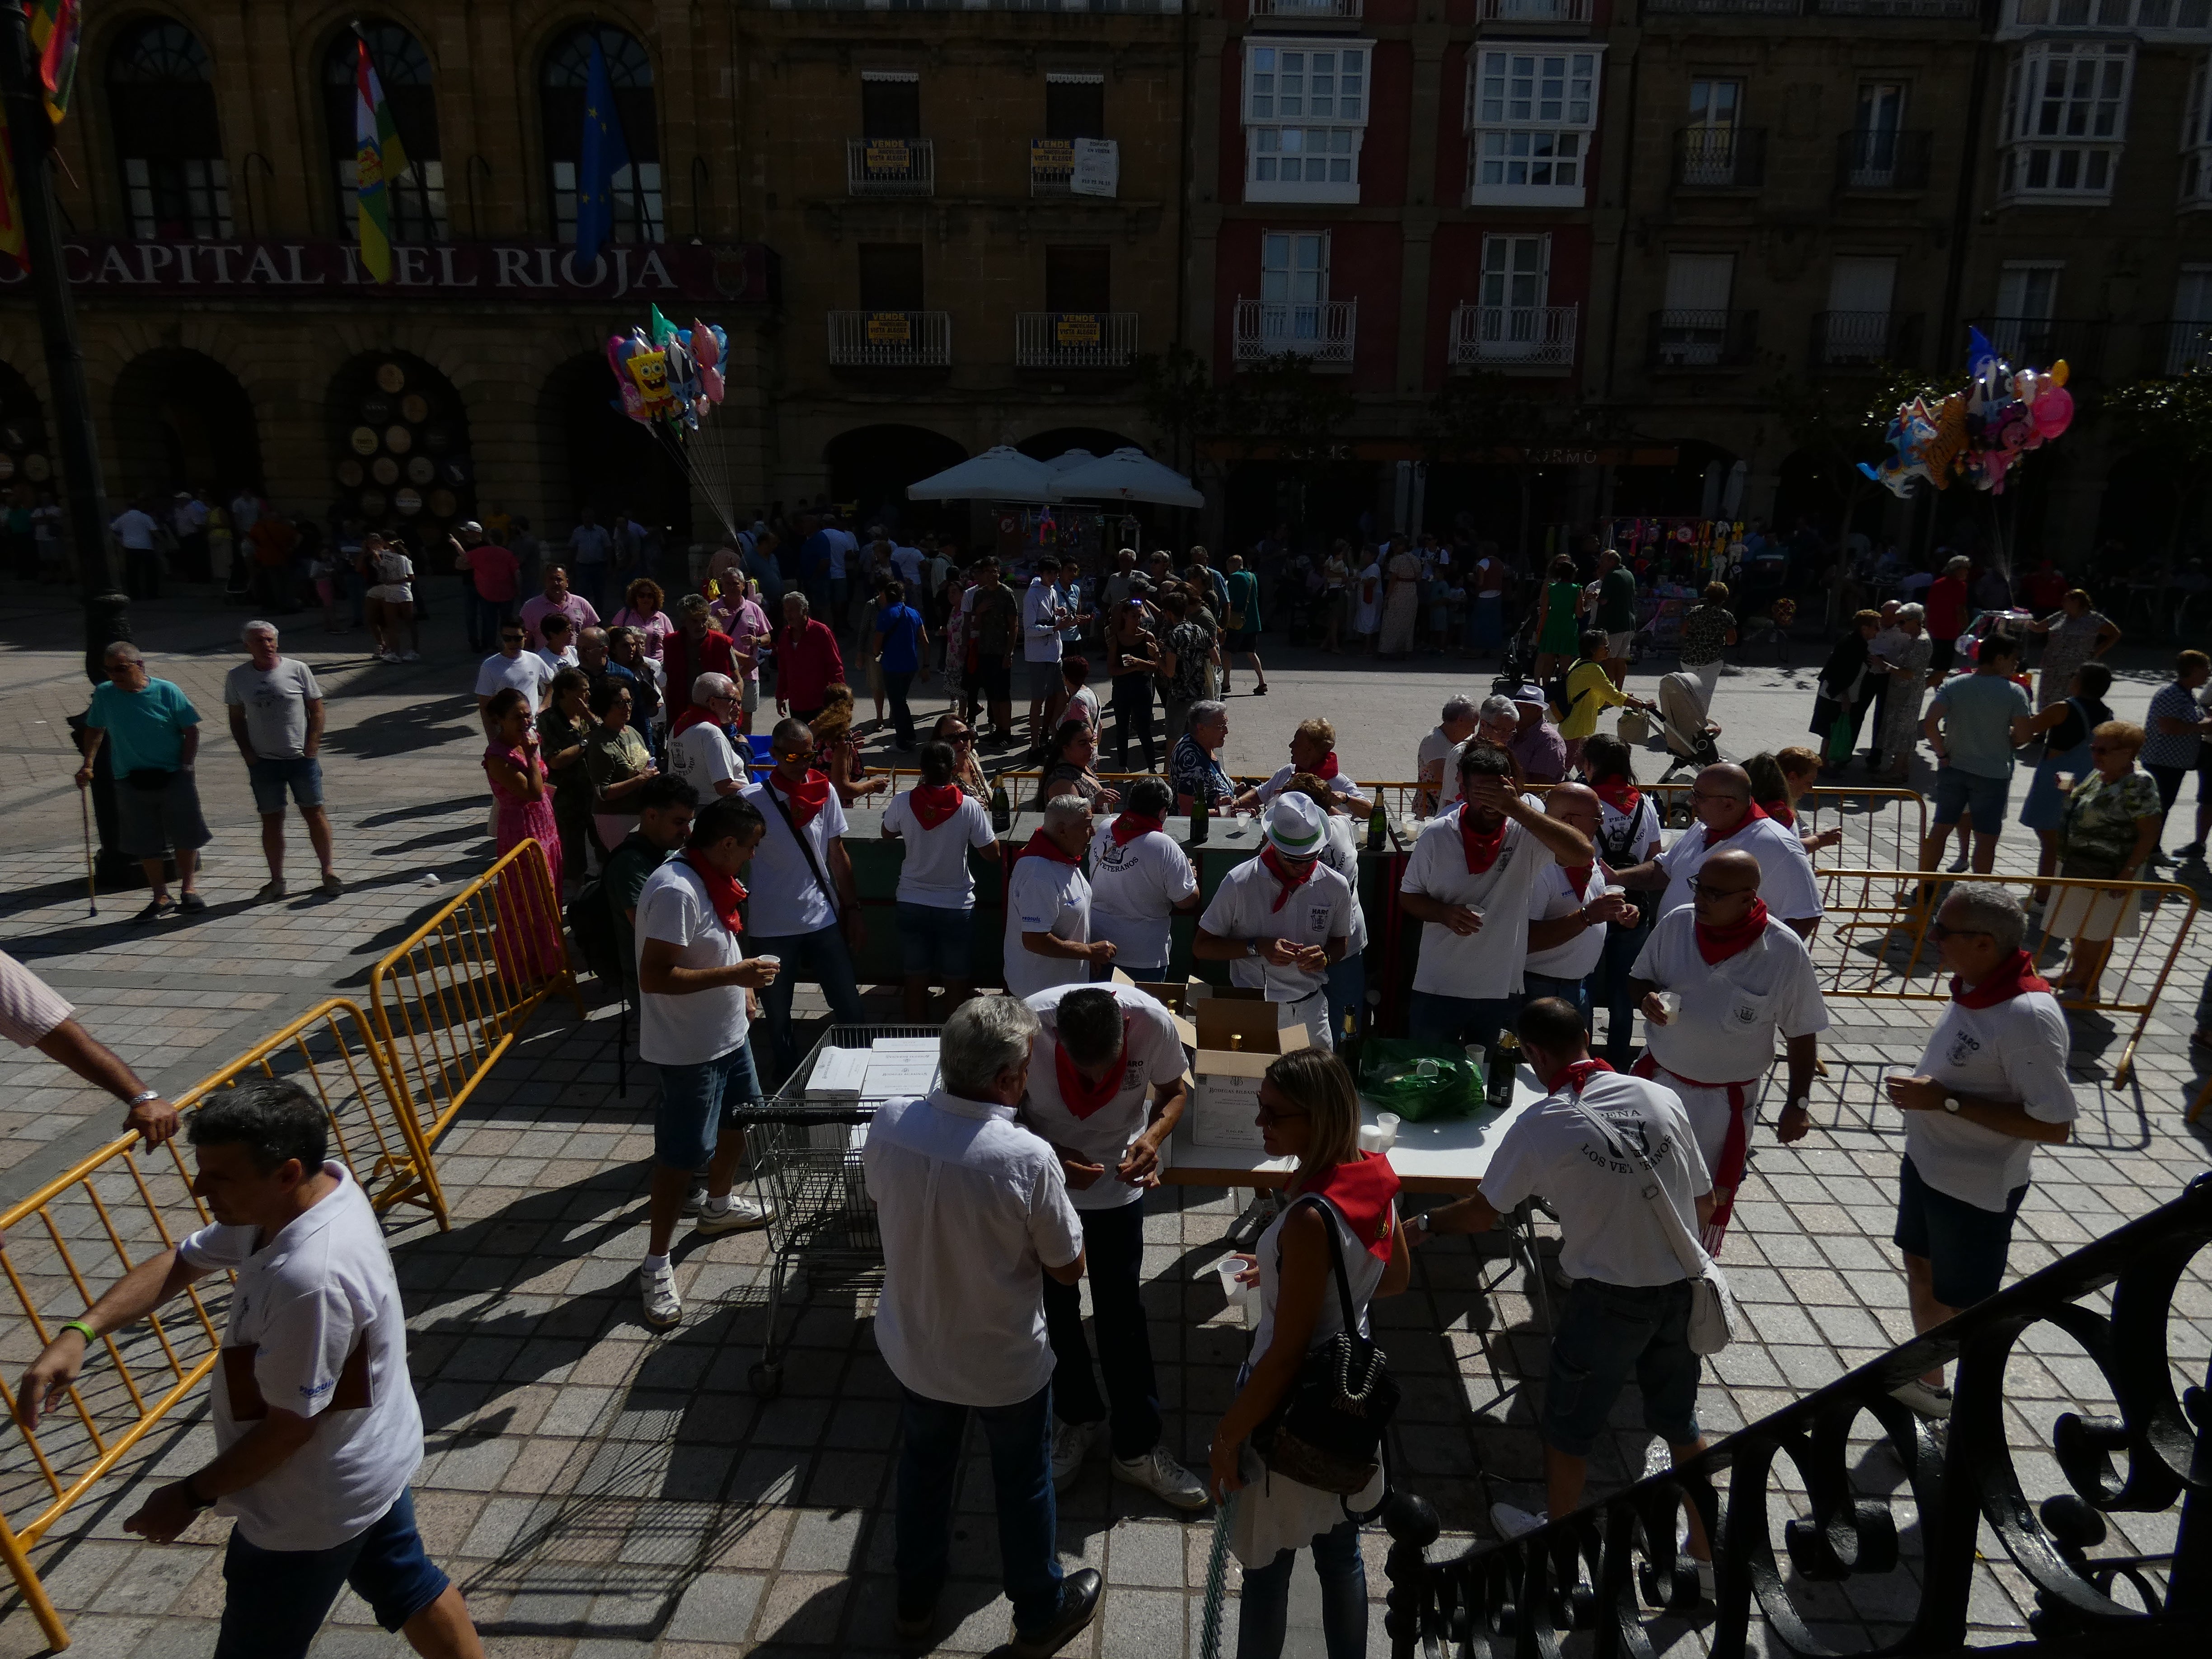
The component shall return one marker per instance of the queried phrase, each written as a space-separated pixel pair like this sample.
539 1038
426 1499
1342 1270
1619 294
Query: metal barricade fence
60 1249
329 1052
453 997
1874 944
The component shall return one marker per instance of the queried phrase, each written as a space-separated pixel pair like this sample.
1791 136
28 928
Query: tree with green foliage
2173 419
1839 422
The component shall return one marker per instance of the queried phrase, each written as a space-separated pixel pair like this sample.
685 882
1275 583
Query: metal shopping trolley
807 1155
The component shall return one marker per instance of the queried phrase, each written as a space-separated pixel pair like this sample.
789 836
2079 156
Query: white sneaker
1511 1523
739 1215
1161 1476
1925 1398
663 1306
410 656
1071 1444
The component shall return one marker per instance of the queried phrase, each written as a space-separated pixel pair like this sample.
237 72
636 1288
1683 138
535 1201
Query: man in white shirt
1992 1086
1100 1050
1457 725
1568 909
139 536
699 750
694 997
1736 979
1048 938
559 651
937 825
1042 618
1467 883
1728 817
512 665
276 711
974 1213
1279 920
806 910
1313 751
1604 1151
907 561
1140 880
316 1427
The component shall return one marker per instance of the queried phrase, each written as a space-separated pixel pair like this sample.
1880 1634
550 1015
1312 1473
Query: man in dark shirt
1616 612
665 807
994 623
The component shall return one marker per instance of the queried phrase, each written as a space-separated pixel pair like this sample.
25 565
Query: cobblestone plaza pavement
600 1490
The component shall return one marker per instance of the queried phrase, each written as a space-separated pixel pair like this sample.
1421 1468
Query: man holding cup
1716 980
1569 906
1279 920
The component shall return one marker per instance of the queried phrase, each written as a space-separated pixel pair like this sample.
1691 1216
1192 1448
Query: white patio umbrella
1003 474
1068 461
1126 475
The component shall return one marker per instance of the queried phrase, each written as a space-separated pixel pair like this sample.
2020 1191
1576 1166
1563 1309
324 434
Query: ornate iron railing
1612 1567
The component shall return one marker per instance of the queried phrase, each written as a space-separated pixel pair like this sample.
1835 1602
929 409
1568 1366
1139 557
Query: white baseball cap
1296 827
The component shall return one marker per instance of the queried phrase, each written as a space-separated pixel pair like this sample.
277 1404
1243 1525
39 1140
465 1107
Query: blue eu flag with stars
602 155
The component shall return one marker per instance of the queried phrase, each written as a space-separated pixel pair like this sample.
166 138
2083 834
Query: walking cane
84 812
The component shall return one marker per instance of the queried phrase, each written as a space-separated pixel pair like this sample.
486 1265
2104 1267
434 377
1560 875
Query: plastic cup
1614 889
1388 1123
1670 1003
1371 1138
1233 1290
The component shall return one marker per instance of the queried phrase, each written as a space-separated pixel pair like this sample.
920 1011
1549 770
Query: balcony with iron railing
2187 347
890 167
1942 10
1702 339
1052 171
2038 342
1535 11
1514 339
1320 331
1294 11
1883 162
891 339
1075 339
1720 158
1862 340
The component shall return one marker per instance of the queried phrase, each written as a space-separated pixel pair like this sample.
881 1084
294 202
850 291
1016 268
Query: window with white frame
2197 139
1530 115
1305 114
1515 272
2150 16
2065 119
1294 267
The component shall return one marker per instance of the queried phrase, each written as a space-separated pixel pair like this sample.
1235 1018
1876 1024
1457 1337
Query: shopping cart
808 1157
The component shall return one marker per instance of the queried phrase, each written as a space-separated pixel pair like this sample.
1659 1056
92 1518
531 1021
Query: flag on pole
11 205
380 158
600 156
55 26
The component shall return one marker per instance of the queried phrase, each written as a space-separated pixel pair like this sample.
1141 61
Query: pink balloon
2054 411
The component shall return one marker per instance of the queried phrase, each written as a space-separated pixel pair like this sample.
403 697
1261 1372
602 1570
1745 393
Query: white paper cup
1614 889
1670 1002
1371 1138
1388 1122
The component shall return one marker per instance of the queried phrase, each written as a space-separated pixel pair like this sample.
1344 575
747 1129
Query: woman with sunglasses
967 771
2111 828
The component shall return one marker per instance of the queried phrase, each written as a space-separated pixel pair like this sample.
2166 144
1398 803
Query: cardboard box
1177 1000
1225 1087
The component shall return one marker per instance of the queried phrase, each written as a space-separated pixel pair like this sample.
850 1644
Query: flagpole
107 608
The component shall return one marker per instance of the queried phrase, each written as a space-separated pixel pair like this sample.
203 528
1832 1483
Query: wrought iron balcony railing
1535 339
1720 158
891 339
1321 331
1075 339
1879 160
1703 339
890 167
1860 339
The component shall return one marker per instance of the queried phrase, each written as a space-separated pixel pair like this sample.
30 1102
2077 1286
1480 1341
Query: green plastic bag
1420 1081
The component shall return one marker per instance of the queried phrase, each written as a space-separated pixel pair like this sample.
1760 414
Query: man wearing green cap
1279 920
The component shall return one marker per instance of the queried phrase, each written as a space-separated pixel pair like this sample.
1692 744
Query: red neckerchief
1130 825
1780 810
1328 767
1619 794
1044 846
697 714
1573 1075
933 803
804 799
2011 979
1577 876
1717 944
724 892
1480 846
1362 1191
1713 840
1288 884
1082 1098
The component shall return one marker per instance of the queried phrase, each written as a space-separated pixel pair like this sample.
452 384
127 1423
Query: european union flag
602 155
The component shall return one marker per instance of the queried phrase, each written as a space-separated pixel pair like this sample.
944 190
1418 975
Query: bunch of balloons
1978 434
668 373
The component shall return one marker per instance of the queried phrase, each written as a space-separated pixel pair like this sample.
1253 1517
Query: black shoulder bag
1326 1430
807 851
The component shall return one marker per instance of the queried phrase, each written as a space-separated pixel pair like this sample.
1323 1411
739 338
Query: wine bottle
1002 810
1378 825
1505 1062
1202 815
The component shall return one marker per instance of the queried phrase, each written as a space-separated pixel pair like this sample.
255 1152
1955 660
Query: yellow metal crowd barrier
1873 942
455 994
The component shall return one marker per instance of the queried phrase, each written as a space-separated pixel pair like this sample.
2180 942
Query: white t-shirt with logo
2015 1051
1609 1232
1550 897
786 899
1319 909
316 1328
1133 889
1155 1058
526 671
1044 895
703 757
702 1025
1488 962
1732 1010
1785 874
934 863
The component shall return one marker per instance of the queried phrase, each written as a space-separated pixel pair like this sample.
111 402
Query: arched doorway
596 454
182 421
399 447
871 466
25 466
1050 446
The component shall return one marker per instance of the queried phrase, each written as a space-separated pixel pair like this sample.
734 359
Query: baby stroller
1682 714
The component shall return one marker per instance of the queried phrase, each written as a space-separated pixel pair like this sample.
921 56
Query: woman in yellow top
1590 691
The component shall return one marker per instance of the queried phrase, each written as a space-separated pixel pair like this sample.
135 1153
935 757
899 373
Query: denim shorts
1608 1331
1044 679
693 1099
303 775
1958 792
1964 1245
933 943
278 1598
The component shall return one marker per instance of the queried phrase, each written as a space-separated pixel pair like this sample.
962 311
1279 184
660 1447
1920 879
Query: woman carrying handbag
1334 1247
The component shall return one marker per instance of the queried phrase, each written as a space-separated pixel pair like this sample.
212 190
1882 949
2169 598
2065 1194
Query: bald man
1568 909
1738 977
1728 817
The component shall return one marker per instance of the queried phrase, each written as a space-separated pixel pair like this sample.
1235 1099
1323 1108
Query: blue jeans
1608 986
1348 997
1114 1247
935 944
1959 792
1261 1620
822 957
1573 992
695 1101
1454 1021
277 1599
1020 1440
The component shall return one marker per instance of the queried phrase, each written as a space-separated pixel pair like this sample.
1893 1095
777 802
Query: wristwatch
143 1096
1952 1103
